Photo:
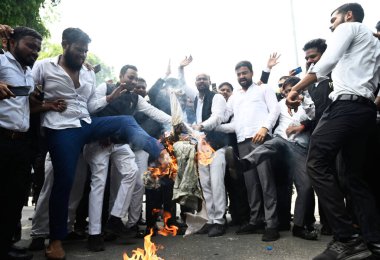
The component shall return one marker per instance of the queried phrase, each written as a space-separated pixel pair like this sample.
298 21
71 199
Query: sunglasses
312 56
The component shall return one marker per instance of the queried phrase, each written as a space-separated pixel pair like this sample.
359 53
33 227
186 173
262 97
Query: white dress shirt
218 109
353 56
57 84
142 106
14 112
252 109
305 112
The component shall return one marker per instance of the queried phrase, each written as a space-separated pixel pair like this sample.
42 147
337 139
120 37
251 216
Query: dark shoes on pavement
305 233
375 249
270 234
95 243
204 230
38 243
250 229
54 251
18 253
114 226
217 230
353 249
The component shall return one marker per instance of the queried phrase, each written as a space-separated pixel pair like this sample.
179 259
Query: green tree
25 13
53 49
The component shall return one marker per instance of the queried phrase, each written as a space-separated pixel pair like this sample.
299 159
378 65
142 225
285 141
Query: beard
22 59
245 83
71 62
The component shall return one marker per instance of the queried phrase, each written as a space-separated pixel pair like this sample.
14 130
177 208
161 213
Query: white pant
214 192
123 161
138 193
40 222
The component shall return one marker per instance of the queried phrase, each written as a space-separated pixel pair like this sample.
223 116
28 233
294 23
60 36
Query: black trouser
160 198
15 181
345 126
237 193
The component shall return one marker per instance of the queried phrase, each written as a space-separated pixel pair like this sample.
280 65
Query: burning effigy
186 149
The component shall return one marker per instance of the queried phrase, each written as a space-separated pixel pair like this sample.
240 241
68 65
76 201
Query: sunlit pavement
229 246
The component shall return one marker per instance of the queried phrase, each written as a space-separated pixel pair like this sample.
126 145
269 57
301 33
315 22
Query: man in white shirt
209 110
124 168
291 147
353 56
65 77
255 110
23 47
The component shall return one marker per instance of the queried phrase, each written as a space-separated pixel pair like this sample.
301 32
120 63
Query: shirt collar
9 55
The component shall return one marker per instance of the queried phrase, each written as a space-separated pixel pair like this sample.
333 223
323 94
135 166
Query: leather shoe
204 230
217 230
250 229
95 243
15 255
54 251
375 249
38 243
270 234
305 233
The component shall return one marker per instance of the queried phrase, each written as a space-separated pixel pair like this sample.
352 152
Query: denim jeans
65 145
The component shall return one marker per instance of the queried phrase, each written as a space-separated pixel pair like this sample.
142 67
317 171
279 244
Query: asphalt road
229 246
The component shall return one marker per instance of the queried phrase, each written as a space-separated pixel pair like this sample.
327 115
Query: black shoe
217 230
95 243
270 234
38 243
141 222
250 229
74 236
16 255
326 231
204 230
304 233
375 249
354 249
114 226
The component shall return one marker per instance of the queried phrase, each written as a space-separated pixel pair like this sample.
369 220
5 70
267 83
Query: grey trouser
261 189
295 156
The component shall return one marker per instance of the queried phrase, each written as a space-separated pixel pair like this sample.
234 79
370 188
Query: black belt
354 98
13 135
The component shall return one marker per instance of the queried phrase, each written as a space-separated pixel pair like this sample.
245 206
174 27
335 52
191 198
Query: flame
169 164
148 254
166 230
205 152
150 249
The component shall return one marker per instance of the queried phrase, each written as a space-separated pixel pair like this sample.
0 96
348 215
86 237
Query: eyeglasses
312 56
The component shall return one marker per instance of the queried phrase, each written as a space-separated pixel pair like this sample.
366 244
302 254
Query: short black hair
22 31
284 77
355 8
292 81
319 44
244 63
141 80
378 26
228 84
124 69
73 35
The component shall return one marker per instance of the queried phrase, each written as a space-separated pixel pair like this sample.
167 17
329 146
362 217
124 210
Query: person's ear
349 16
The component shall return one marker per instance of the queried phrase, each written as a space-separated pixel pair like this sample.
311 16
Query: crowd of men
90 143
